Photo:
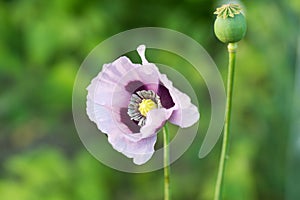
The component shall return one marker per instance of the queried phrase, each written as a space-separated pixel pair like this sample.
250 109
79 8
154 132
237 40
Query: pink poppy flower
131 102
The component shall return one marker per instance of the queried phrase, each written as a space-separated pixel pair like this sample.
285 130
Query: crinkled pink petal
110 87
141 151
104 86
156 118
105 118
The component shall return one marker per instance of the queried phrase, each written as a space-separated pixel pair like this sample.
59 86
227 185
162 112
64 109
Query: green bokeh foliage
42 46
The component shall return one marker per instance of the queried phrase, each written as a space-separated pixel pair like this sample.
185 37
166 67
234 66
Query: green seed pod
230 25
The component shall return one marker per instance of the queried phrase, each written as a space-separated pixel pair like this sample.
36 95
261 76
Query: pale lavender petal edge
141 151
185 114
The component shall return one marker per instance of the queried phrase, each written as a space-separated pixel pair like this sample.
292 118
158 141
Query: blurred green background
43 43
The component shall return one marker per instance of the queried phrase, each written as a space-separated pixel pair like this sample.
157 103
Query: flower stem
166 163
230 79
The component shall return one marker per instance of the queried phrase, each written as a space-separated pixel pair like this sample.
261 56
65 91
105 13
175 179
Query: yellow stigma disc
146 105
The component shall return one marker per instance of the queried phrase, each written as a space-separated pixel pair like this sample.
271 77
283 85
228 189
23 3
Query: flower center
146 105
141 103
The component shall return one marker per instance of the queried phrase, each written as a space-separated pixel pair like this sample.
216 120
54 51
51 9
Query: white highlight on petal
141 51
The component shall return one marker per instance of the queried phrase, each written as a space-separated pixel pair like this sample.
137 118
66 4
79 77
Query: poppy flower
131 102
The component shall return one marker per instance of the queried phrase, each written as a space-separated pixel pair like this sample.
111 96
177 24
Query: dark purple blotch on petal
165 97
134 86
131 124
